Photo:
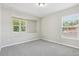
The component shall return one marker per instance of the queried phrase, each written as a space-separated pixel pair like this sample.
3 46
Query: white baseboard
63 44
19 42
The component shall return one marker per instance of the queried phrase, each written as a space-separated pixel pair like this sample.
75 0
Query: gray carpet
39 48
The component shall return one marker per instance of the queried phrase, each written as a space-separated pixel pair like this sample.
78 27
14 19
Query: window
70 26
23 25
19 25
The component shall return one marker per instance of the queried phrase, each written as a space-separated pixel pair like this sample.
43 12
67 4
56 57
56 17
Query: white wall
51 27
8 36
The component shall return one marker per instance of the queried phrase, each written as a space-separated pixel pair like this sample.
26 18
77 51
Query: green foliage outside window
70 22
16 28
15 22
19 24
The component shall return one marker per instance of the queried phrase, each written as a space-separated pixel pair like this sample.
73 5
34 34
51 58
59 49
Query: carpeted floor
39 48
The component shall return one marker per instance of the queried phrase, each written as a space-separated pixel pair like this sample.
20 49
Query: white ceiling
34 10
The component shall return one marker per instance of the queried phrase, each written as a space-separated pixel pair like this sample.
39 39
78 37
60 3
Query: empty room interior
39 29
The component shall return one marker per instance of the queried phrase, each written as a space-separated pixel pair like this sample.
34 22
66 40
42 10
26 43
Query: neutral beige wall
51 27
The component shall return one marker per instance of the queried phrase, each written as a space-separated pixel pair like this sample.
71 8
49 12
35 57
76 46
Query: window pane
22 22
16 28
23 28
15 22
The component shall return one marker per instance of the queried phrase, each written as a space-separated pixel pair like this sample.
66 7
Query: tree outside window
19 25
70 25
